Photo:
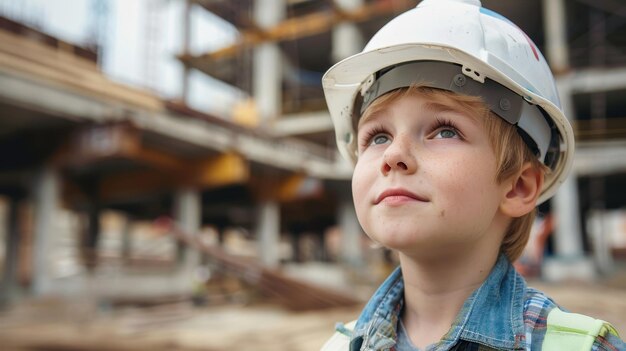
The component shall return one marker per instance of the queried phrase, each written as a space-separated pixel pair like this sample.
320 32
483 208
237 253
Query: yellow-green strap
340 341
573 332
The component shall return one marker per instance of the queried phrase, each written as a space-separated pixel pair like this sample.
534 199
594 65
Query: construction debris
295 294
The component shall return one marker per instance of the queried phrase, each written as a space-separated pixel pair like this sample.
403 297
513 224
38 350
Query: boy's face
425 178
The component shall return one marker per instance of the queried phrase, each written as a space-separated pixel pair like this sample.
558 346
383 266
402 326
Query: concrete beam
38 95
289 155
598 158
303 123
592 80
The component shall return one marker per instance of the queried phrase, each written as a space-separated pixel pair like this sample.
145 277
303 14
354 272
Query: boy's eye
379 139
447 134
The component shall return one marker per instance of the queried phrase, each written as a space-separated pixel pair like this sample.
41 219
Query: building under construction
114 191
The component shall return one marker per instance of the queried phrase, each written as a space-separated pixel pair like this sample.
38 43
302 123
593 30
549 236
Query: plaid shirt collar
492 316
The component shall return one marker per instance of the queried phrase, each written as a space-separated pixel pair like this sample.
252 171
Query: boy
452 118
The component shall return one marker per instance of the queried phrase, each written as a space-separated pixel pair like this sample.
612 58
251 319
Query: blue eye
380 139
447 133
445 129
373 135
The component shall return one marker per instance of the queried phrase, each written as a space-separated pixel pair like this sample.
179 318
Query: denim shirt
502 314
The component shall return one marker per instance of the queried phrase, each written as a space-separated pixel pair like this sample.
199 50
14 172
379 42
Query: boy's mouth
398 193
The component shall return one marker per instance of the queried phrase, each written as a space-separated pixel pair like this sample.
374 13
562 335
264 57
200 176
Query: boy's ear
522 191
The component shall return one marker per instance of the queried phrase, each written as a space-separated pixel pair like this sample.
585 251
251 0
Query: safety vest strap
573 332
340 341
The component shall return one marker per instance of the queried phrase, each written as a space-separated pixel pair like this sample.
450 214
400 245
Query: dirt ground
80 325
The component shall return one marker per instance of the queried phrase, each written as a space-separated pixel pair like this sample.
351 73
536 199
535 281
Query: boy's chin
422 248
408 245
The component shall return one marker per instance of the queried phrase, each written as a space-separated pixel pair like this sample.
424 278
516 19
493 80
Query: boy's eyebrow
443 107
371 115
431 106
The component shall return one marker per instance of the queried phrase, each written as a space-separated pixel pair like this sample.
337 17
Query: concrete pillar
12 242
568 231
187 25
267 62
267 71
569 260
268 13
189 220
347 40
599 232
268 232
555 24
351 232
295 245
127 243
92 234
46 196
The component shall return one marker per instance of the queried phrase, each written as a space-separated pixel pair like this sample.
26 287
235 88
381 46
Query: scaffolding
308 36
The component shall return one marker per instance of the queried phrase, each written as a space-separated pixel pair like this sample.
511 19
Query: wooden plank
225 169
63 69
286 188
293 293
105 90
33 50
157 159
303 26
32 34
123 186
116 141
234 12
221 170
186 111
600 129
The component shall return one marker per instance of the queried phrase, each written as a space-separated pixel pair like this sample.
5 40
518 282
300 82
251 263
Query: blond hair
510 150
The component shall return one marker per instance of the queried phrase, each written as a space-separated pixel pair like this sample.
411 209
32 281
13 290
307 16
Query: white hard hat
459 46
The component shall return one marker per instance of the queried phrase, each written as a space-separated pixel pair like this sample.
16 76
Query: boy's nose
398 157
